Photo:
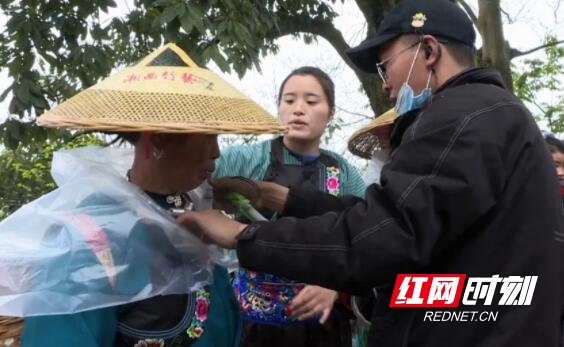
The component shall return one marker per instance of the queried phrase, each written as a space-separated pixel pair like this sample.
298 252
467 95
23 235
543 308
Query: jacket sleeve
436 186
303 203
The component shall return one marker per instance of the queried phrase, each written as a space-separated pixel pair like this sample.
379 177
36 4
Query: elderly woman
171 112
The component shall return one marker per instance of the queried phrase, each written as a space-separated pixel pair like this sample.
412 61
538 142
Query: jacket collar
475 75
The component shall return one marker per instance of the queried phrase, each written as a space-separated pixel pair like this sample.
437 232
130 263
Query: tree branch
517 53
469 10
509 19
305 24
355 122
353 113
539 107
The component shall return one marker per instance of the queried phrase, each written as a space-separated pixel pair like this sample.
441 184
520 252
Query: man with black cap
469 189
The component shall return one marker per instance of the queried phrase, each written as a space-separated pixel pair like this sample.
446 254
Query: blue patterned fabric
264 298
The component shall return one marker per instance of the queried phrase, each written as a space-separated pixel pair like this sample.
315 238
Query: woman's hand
261 194
212 226
313 301
244 186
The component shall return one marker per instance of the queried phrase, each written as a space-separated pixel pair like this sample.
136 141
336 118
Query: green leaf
197 17
13 128
220 60
243 32
186 23
15 106
10 142
39 102
21 91
194 10
168 14
163 3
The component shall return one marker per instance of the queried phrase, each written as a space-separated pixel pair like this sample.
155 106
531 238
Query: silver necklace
181 201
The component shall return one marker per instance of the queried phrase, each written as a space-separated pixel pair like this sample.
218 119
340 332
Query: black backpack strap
328 160
276 158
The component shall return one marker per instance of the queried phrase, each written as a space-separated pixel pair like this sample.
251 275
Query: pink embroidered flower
196 327
201 309
332 183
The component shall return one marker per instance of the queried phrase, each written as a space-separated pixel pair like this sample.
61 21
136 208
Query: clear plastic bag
375 165
95 241
203 199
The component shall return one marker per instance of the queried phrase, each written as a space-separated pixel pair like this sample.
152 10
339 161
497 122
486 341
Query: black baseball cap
440 18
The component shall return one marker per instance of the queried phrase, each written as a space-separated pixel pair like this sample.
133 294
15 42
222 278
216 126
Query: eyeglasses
381 66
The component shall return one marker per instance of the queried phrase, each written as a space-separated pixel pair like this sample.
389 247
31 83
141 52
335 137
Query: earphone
428 51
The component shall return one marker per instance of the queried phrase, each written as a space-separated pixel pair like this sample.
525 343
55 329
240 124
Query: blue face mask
406 101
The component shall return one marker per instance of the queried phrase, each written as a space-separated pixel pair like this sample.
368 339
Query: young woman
276 310
174 152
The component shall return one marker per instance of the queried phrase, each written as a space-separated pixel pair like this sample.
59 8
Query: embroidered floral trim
265 298
196 328
150 343
332 183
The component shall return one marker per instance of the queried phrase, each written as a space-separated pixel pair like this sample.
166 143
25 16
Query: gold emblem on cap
418 20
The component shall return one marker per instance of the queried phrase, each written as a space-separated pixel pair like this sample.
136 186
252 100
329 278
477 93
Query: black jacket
469 189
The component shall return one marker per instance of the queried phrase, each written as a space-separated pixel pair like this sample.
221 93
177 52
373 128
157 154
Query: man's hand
313 301
212 226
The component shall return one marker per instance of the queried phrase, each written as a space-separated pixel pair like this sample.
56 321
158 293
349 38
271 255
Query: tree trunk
374 12
495 50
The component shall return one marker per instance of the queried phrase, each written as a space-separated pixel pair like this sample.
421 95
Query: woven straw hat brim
160 112
373 136
176 98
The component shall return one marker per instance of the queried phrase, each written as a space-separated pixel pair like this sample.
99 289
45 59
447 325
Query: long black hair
554 144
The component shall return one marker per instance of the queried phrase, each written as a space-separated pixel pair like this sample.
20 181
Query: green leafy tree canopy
539 83
26 170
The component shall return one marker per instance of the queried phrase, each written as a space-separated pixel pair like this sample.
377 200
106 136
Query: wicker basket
373 136
10 331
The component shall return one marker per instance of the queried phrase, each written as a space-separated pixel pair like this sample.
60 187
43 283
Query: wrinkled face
304 108
558 159
398 56
188 159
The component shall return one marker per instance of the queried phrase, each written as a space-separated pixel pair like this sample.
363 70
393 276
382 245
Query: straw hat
10 331
166 92
374 136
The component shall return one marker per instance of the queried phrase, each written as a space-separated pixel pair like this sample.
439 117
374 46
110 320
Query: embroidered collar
175 204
